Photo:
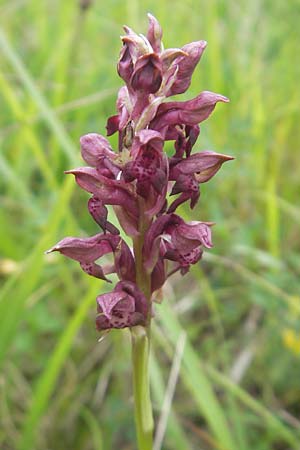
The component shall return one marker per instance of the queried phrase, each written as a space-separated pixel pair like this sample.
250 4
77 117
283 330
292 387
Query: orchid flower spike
143 185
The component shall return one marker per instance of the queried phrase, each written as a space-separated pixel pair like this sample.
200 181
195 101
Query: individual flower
88 250
190 112
189 172
125 306
149 167
186 64
147 74
171 238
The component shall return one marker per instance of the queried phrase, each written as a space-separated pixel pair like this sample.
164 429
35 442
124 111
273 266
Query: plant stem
141 388
140 356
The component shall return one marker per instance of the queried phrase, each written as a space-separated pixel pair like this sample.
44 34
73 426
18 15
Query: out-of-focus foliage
238 388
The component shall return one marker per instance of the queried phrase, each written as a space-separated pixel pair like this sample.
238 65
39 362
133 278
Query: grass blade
46 383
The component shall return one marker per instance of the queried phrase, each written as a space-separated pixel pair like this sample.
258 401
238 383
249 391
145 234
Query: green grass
59 387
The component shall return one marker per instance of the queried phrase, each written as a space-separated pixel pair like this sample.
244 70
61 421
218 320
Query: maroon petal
99 213
107 302
137 45
146 136
149 166
185 183
141 303
190 112
94 270
204 164
115 310
124 262
124 106
193 196
198 231
186 241
147 75
189 257
153 236
169 55
125 64
186 65
192 133
86 250
128 222
159 180
94 147
154 34
125 306
110 192
87 178
112 124
158 275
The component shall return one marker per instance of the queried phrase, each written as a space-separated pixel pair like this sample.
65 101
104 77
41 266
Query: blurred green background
235 317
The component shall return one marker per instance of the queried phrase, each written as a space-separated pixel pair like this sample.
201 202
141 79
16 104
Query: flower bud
125 64
154 33
94 147
147 75
186 65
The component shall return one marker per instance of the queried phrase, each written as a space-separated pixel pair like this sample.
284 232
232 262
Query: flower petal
204 164
94 147
99 213
109 191
192 195
107 302
86 250
125 64
152 239
94 270
124 262
154 33
169 55
112 124
147 75
190 112
197 231
128 222
158 275
186 66
125 306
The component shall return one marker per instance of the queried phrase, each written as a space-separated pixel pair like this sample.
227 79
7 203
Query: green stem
141 388
140 355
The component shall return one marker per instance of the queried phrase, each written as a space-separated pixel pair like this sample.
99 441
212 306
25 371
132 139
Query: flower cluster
138 179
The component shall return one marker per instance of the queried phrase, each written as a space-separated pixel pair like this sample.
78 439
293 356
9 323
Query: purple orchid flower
190 112
171 238
186 64
136 179
125 306
149 167
88 250
188 173
147 74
